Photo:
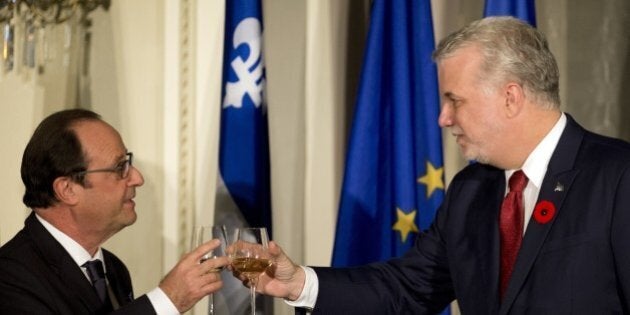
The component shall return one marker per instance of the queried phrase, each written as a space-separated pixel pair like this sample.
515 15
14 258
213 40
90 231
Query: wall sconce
34 16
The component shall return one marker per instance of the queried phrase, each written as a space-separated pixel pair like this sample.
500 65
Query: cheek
114 197
467 120
485 116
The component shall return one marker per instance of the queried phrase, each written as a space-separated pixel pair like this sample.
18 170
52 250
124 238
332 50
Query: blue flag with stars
522 9
393 181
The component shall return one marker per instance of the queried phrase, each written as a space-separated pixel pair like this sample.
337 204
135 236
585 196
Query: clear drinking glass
203 234
251 257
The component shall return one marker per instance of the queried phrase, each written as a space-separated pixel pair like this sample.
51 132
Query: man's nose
446 117
135 177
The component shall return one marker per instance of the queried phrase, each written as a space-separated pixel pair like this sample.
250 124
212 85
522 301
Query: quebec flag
522 9
393 181
243 197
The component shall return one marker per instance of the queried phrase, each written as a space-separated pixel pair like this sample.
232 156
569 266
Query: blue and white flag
522 9
393 181
243 197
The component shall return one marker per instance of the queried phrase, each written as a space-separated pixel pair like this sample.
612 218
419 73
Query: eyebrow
450 95
120 158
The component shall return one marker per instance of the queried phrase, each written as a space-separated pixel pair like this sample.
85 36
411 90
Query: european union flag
393 181
522 9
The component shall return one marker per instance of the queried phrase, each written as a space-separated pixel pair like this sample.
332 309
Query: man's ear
65 190
514 99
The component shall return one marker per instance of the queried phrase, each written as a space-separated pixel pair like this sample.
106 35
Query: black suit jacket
38 276
577 263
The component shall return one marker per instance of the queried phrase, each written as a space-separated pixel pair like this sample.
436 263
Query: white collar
76 251
535 165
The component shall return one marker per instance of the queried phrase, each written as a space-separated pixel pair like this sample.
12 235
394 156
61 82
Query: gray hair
512 50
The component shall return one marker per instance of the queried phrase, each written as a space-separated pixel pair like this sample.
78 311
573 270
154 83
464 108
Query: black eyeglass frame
122 168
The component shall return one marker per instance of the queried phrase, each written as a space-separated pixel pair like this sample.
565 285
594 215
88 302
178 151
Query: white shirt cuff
161 303
308 297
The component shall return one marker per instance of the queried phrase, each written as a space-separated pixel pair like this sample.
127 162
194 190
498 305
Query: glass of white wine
250 257
203 234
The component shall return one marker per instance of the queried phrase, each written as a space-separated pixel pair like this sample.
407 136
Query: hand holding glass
250 257
203 234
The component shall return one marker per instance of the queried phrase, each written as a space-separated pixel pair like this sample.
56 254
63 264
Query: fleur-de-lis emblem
249 72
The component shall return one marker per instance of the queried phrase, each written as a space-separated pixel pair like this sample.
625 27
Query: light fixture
33 16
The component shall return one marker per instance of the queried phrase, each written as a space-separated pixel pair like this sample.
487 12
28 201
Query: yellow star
405 223
432 179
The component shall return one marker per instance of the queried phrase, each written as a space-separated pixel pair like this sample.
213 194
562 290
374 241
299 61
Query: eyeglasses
122 168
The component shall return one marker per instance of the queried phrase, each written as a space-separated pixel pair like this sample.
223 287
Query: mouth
456 132
130 200
460 139
130 203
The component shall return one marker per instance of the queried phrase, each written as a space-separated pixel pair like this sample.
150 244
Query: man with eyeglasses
80 183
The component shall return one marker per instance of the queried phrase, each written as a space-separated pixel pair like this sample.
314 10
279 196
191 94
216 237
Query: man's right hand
283 278
189 280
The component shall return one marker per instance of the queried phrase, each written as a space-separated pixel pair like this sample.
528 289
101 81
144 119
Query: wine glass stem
252 289
211 304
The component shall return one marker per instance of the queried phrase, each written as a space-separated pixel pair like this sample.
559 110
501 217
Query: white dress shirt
535 167
160 301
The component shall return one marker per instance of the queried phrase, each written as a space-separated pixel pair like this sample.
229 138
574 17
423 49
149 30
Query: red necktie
511 227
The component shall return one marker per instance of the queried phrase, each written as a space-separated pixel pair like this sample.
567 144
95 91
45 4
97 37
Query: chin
469 155
133 218
483 160
130 218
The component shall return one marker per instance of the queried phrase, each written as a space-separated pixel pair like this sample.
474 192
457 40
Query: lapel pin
559 187
544 211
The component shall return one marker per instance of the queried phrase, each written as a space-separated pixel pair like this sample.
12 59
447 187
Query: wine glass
250 257
203 234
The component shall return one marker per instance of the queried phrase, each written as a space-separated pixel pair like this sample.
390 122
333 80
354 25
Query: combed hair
513 51
53 151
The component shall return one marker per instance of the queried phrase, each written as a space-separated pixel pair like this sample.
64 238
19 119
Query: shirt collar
76 251
535 165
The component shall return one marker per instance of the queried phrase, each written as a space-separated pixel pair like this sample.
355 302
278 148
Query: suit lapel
475 234
558 179
118 278
535 236
68 276
493 237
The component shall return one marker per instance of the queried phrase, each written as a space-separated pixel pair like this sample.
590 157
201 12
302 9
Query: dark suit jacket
38 276
577 263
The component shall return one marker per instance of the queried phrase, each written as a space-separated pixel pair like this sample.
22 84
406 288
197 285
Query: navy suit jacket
38 276
577 263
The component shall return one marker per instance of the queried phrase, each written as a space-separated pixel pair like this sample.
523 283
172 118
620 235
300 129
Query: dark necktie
97 275
511 227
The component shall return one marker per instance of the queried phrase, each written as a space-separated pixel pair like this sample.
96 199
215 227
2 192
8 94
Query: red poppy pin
544 211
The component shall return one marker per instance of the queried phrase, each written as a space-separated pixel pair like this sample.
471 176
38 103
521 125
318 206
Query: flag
244 144
522 9
393 181
243 196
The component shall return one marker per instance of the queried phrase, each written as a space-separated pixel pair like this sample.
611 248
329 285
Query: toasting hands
190 280
282 279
